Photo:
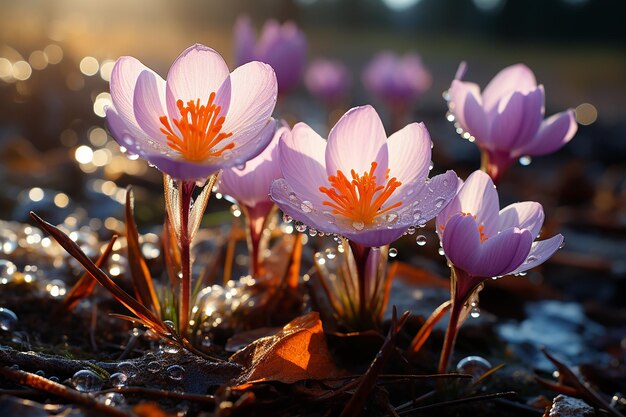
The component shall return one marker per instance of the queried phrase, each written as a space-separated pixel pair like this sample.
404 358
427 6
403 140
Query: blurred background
56 59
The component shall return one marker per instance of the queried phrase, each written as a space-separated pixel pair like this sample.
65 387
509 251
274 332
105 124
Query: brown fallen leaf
297 352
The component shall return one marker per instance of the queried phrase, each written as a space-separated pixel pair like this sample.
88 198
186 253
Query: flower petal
149 102
525 215
514 78
125 134
251 185
461 242
252 101
553 133
123 80
516 120
357 140
476 120
458 92
477 197
409 155
428 200
539 253
195 74
502 253
302 162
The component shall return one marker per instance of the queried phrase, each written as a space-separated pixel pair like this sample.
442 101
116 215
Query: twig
460 401
206 399
53 388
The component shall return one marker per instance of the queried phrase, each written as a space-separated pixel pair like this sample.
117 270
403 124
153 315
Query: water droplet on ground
118 379
153 367
86 381
8 319
175 372
473 365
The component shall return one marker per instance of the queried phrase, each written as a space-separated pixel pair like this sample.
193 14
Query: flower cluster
359 185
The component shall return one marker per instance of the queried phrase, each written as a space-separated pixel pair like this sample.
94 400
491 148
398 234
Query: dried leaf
418 276
142 280
120 295
150 410
298 352
85 285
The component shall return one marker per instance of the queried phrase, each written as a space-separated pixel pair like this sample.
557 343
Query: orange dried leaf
297 352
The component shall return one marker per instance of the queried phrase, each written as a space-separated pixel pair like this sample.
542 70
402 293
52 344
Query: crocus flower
506 120
328 80
360 184
283 47
202 119
397 80
250 186
481 241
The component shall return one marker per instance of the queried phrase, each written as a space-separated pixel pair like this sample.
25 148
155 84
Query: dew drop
411 230
530 259
127 368
293 196
330 253
420 240
329 217
391 218
86 381
358 225
441 252
522 274
562 245
473 365
439 202
306 206
175 372
235 210
300 227
287 218
112 399
8 319
417 215
393 252
153 367
56 288
312 232
525 160
118 379
475 312
431 166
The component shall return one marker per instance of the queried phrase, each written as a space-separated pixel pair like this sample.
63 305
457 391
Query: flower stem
360 254
186 192
450 338
256 218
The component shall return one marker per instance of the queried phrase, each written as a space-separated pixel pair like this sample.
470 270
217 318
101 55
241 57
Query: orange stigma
200 130
360 199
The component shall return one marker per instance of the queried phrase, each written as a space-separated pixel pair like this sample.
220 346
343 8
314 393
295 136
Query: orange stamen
200 130
360 199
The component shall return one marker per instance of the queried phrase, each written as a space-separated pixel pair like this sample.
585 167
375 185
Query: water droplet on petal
420 240
473 365
411 230
175 372
475 312
329 217
235 210
312 232
393 252
441 251
431 166
300 227
287 218
562 245
530 259
8 319
86 381
306 206
330 253
439 202
293 196
525 160
358 225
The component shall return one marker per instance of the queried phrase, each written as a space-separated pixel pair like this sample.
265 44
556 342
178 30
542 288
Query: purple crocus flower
284 47
250 186
507 119
397 80
481 241
202 119
328 80
360 184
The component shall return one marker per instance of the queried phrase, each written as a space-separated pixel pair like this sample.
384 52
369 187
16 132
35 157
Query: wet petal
553 133
149 104
252 101
476 120
514 78
195 74
458 91
525 215
357 140
409 155
502 253
302 161
539 253
427 201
